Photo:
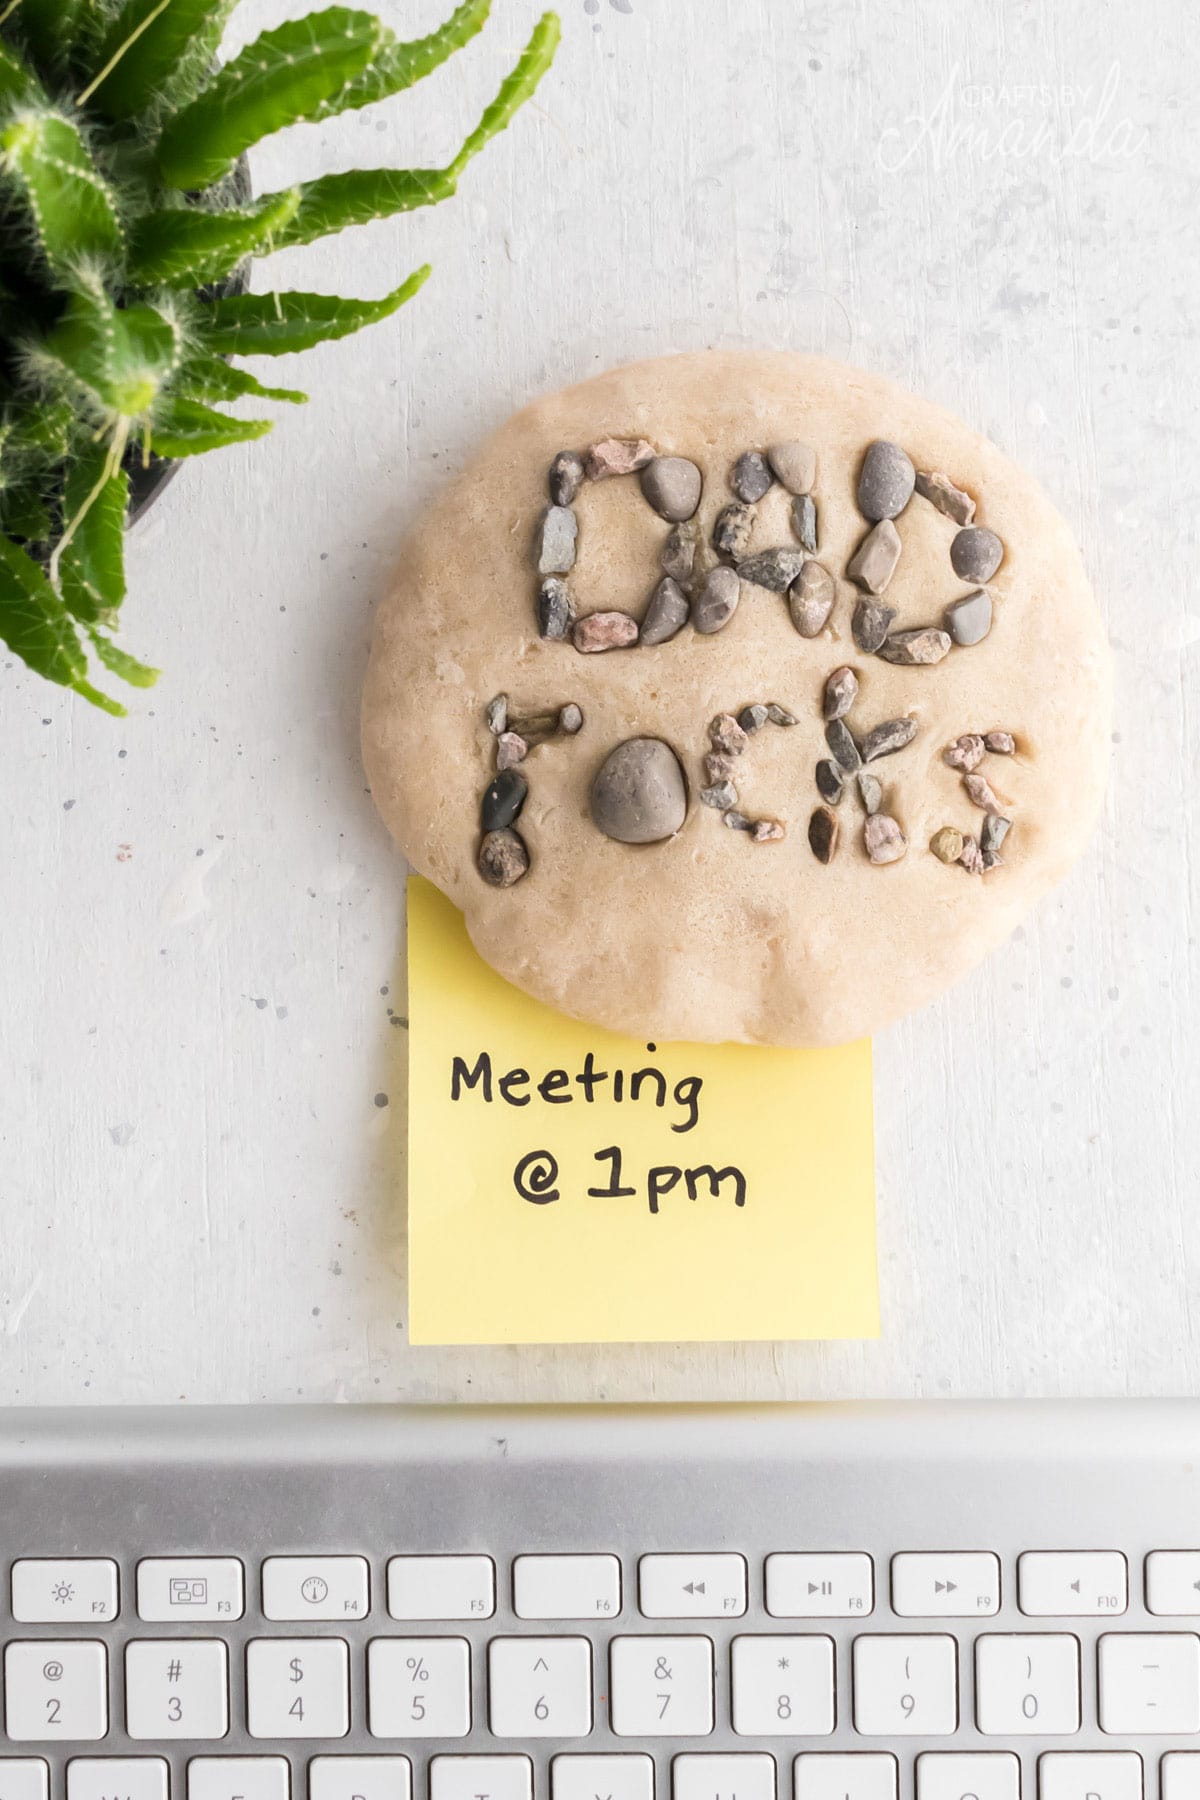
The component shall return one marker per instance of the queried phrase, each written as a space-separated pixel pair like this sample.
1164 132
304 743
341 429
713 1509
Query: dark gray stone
639 794
555 613
870 624
841 691
717 601
775 569
671 485
916 649
976 553
870 791
751 477
885 481
679 551
830 781
995 830
503 799
666 614
722 795
779 715
804 521
886 739
752 718
823 832
732 528
845 750
566 477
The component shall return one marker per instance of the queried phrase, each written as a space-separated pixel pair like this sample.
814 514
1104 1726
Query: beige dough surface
710 936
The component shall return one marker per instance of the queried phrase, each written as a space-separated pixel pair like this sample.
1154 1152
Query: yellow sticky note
569 1185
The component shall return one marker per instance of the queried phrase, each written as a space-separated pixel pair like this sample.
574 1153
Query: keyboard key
905 1686
861 1776
619 1777
315 1587
441 1587
117 1778
1067 1584
360 1778
481 1778
692 1587
951 1585
968 1775
809 1584
661 1686
1083 1775
55 1690
297 1687
540 1687
566 1587
1149 1681
722 1777
1179 1773
1027 1685
176 1688
180 1589
782 1686
26 1778
419 1687
1173 1582
237 1778
45 1590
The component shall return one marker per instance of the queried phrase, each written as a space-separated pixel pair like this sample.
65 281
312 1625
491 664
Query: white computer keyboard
944 1603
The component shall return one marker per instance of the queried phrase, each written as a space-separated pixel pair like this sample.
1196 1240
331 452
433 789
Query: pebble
736 821
639 794
886 739
768 831
671 485
965 753
971 857
823 833
884 840
510 750
503 858
557 540
874 562
975 553
773 569
555 614
566 477
503 799
916 649
751 476
617 456
870 791
795 465
841 691
845 750
718 766
804 521
666 614
941 492
885 481
679 551
752 718
970 619
995 830
870 624
732 528
947 844
722 795
981 794
830 781
497 714
779 715
1000 743
570 719
810 599
717 601
726 735
604 631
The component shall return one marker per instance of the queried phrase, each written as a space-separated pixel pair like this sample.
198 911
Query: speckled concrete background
202 1037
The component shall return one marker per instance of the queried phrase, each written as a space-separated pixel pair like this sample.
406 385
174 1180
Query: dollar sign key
297 1668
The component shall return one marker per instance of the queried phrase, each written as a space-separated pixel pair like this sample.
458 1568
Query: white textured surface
202 917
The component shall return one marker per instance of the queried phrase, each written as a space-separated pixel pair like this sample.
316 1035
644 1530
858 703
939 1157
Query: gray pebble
555 613
795 465
557 540
970 619
679 551
841 691
830 781
976 553
726 735
718 766
751 477
639 794
768 831
810 599
1000 743
870 791
752 718
885 481
870 624
779 715
722 795
874 562
503 799
971 857
884 840
617 456
941 492
804 521
737 821
671 485
511 749
773 569
916 649
886 739
823 831
732 528
604 631
497 714
995 830
845 750
717 601
666 614
965 753
503 858
566 477
570 719
981 793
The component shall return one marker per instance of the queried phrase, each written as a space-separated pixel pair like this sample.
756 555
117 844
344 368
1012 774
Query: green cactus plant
123 223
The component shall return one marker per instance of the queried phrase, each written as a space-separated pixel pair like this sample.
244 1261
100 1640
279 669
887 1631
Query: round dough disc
711 936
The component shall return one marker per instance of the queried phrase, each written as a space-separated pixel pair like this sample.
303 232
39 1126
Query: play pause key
812 1584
